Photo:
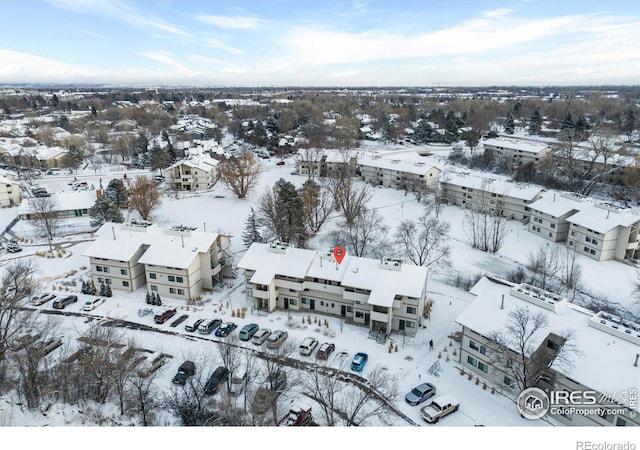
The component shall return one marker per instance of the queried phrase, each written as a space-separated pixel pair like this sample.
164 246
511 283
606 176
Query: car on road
38 300
193 326
90 305
248 331
261 335
219 376
162 318
325 350
276 338
359 361
225 329
209 325
438 408
61 303
187 369
308 345
420 393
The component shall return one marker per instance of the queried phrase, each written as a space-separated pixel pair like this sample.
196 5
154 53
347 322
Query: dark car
226 329
61 303
325 350
187 369
218 377
194 326
420 393
12 248
162 318
280 163
248 331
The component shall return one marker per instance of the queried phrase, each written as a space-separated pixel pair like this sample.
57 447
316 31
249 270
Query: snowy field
219 210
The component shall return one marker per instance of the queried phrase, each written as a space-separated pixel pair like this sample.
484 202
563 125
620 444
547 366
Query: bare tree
525 348
362 403
365 236
423 242
143 196
143 395
326 389
241 173
571 275
45 212
274 363
350 198
95 162
311 158
317 205
545 263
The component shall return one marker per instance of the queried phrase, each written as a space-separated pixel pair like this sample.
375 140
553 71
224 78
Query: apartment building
550 213
10 193
516 150
386 295
398 174
605 364
488 193
197 172
326 163
179 262
62 204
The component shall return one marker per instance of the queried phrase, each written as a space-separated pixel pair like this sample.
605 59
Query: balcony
355 296
379 317
258 293
216 269
311 285
288 284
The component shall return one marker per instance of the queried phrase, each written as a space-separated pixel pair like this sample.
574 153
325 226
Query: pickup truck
438 408
162 318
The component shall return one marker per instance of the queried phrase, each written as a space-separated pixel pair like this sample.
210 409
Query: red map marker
339 254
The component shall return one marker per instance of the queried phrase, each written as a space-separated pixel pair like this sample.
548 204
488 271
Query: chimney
182 237
113 230
502 303
554 196
635 364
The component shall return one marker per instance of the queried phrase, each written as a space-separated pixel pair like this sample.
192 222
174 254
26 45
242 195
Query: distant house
179 262
398 174
195 173
64 204
10 193
488 193
516 150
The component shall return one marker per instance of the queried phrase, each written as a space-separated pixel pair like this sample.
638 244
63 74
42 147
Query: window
171 278
553 345
124 272
152 276
349 309
471 360
593 252
482 366
106 269
550 234
100 280
571 243
573 233
410 324
304 300
509 382
473 345
553 225
154 287
321 303
359 314
99 268
125 283
179 280
172 290
411 310
107 280
483 350
586 249
293 301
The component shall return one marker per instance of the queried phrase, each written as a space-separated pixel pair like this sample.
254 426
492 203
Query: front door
343 310
312 304
401 325
286 303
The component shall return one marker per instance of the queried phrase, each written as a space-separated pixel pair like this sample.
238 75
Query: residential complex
489 193
10 193
197 172
605 358
517 151
398 174
385 295
326 163
179 262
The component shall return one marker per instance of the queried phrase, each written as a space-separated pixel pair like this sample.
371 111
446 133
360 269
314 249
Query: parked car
187 369
209 325
13 248
438 408
193 326
162 318
248 331
219 376
157 362
226 329
38 300
269 392
420 393
261 335
90 305
238 381
276 338
280 163
46 347
325 350
61 303
359 361
308 345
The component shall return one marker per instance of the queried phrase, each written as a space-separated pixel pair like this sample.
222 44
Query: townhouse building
62 204
549 214
10 193
517 151
398 174
179 262
197 172
385 295
597 337
488 193
326 163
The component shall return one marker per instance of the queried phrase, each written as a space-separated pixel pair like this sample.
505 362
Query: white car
261 335
90 305
41 299
308 346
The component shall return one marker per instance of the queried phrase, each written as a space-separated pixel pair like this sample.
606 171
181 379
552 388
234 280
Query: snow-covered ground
217 210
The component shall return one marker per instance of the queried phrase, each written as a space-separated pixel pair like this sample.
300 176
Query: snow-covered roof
293 262
164 247
494 184
558 204
602 218
397 165
6 180
606 361
197 161
63 201
517 144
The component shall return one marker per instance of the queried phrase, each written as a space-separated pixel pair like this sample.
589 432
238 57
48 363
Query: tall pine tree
509 125
251 231
104 210
535 123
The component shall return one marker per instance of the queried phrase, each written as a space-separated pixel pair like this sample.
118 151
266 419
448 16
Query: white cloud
216 43
346 74
168 59
231 22
91 33
205 59
18 66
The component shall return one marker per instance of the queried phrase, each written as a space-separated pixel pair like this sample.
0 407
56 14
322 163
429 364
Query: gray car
420 393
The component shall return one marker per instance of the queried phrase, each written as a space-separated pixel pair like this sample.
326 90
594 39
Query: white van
238 381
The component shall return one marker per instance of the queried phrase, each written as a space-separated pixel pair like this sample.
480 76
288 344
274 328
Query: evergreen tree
535 123
117 192
628 123
104 210
567 123
158 301
251 231
290 210
148 298
582 128
74 156
509 125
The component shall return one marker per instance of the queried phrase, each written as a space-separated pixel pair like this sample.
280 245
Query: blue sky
327 43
